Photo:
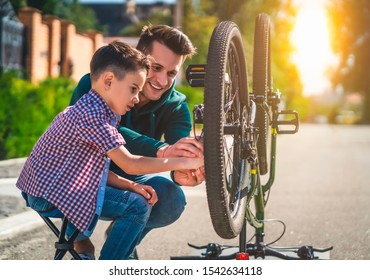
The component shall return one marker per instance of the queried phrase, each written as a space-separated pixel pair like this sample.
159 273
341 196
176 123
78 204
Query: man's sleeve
83 86
139 144
179 125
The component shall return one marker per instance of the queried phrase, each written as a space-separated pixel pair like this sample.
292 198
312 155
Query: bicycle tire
262 85
225 102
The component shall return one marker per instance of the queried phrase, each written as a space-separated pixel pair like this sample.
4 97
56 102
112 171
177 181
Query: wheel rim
232 121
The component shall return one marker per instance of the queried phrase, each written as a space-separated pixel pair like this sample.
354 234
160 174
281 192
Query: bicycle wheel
225 116
262 85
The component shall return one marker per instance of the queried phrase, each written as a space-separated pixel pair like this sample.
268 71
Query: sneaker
86 256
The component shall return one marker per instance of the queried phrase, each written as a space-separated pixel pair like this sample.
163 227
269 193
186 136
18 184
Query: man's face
165 66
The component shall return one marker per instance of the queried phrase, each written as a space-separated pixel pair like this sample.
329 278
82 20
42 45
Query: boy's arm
121 183
134 164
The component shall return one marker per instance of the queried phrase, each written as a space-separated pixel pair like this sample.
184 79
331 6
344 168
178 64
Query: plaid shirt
68 165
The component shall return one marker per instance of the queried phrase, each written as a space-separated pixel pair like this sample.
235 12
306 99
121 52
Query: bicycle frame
258 190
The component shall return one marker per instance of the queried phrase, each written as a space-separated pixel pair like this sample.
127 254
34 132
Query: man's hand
185 147
189 177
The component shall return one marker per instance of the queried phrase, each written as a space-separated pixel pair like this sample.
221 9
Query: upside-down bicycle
237 128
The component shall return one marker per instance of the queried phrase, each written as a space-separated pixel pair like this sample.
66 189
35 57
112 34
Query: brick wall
55 48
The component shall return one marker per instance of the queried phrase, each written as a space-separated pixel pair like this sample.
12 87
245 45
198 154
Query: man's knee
118 203
171 201
139 205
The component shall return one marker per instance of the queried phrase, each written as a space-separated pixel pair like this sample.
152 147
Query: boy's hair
119 58
171 37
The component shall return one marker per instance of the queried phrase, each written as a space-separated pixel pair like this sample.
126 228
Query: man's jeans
130 211
170 205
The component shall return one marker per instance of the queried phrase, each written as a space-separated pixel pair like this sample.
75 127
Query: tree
202 16
198 25
350 36
83 17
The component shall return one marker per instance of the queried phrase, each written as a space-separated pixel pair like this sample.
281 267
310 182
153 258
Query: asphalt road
321 193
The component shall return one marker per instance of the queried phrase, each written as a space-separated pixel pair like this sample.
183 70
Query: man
162 112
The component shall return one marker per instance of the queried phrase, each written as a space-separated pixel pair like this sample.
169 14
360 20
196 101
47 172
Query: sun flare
313 54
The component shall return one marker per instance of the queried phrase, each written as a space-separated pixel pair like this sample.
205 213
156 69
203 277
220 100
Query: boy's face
165 66
124 94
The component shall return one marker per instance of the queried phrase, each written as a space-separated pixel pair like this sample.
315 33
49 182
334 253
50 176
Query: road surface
321 193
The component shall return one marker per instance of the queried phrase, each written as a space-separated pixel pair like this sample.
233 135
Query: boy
159 125
68 166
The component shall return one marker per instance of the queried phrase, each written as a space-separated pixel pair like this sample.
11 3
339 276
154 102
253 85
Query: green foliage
200 20
199 27
131 30
82 16
156 17
194 96
26 111
350 21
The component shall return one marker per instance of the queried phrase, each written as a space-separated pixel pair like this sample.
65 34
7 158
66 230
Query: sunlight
313 54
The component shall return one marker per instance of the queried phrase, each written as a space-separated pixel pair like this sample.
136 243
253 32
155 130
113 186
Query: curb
20 223
17 223
11 168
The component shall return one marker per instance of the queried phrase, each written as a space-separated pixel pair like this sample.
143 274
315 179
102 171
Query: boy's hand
189 177
148 192
185 147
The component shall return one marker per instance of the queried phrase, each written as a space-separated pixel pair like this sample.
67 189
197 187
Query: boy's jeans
171 201
130 212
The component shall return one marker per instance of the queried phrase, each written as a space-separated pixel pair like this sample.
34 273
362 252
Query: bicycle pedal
290 122
306 253
213 250
195 74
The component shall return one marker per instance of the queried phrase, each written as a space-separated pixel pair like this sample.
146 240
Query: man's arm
177 133
140 144
178 124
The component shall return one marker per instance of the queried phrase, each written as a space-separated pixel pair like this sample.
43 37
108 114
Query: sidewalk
11 168
15 217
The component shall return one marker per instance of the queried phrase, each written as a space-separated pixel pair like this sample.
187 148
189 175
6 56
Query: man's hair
119 58
171 37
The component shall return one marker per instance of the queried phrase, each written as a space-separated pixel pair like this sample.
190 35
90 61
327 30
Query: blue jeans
170 205
132 214
130 211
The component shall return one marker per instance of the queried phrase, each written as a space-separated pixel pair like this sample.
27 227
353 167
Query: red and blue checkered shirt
68 165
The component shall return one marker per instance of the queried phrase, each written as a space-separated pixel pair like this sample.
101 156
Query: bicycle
236 135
